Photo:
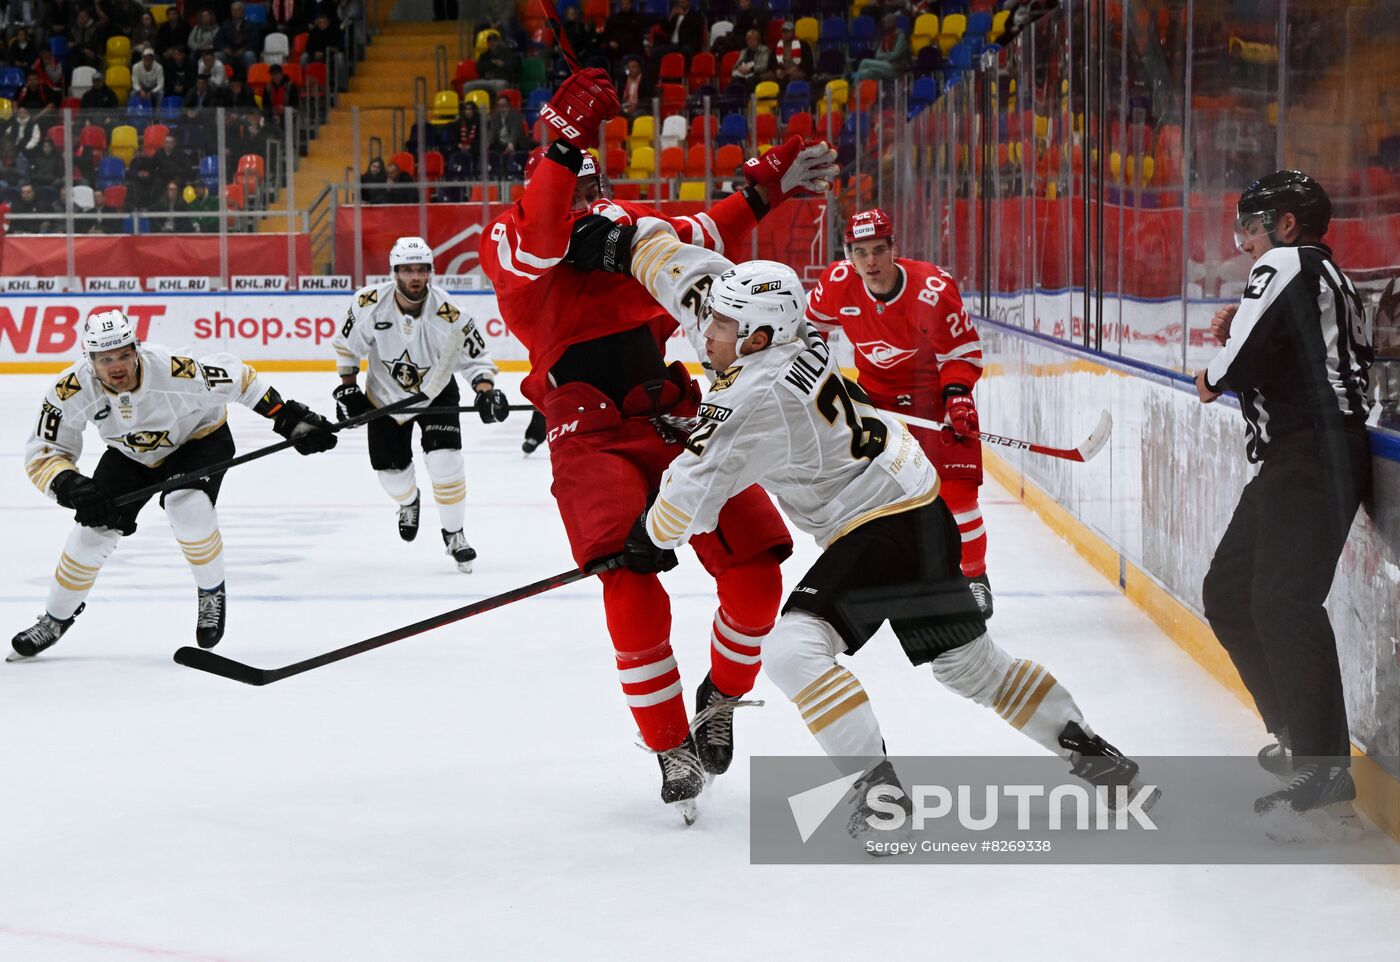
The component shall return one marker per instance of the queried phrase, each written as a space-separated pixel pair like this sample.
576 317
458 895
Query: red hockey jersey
912 346
548 304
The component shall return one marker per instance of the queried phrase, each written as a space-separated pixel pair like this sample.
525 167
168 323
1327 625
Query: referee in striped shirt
1296 351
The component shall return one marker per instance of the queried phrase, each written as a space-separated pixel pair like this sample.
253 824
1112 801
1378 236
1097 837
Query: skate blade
465 567
16 656
1331 823
688 809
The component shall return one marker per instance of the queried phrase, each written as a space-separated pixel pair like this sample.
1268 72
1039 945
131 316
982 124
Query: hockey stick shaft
1084 452
470 409
565 47
174 481
207 661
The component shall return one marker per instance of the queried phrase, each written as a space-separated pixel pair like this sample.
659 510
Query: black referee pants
1271 573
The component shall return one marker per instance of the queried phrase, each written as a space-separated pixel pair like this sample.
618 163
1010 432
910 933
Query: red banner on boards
152 255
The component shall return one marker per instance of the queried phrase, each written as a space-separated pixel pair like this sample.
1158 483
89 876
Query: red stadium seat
672 69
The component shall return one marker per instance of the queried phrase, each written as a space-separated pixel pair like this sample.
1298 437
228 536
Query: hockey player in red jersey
917 353
613 407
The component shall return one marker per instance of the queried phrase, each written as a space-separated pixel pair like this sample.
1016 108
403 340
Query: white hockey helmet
107 331
410 250
752 295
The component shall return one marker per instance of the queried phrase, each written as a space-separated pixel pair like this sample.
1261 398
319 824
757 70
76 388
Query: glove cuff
757 204
956 390
565 155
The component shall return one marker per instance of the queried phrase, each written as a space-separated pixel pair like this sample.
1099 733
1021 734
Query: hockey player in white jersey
403 329
780 414
161 415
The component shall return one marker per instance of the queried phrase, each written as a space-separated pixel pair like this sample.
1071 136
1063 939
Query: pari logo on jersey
405 373
883 354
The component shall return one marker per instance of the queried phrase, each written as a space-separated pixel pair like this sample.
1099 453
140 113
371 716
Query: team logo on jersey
182 367
67 386
448 313
1259 281
368 297
405 373
726 378
883 354
143 442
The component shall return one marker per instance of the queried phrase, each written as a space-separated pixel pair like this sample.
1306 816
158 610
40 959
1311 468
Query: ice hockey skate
461 552
408 518
682 778
1101 765
861 826
713 726
1316 806
1277 758
209 628
41 635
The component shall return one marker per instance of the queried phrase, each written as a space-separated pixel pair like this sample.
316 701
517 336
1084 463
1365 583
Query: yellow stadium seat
808 29
951 32
124 143
445 107
481 37
118 51
692 190
1149 166
765 97
918 42
926 25
1115 163
119 79
7 109
643 133
999 21
481 98
160 12
840 92
642 163
1042 127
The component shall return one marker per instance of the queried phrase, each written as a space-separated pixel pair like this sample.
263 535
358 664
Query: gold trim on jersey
667 520
250 374
898 507
205 432
650 256
67 386
44 469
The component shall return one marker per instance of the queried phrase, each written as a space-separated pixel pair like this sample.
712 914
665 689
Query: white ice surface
475 793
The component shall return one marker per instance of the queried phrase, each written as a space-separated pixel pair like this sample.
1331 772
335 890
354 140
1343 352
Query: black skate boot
43 634
408 518
1100 764
209 628
1277 759
713 727
461 552
534 434
1314 806
682 778
859 826
982 591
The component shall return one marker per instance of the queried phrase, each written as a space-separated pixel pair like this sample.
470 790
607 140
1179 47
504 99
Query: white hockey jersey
176 399
402 349
784 418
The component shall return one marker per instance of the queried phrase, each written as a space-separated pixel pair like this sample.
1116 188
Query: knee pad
974 670
750 593
400 484
637 609
941 621
448 473
799 649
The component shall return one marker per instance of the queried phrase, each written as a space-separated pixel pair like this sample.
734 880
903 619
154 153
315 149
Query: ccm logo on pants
562 430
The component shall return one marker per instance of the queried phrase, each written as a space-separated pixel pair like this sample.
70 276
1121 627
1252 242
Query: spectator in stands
239 38
46 166
148 76
97 224
372 182
86 161
465 137
202 201
170 203
793 59
323 41
279 94
40 100
635 89
205 33
584 41
891 53
122 16
623 31
747 16
23 132
22 49
13 170
498 64
147 33
99 96
506 139
288 16
175 32
398 186
171 163
50 71
28 203
684 31
55 18
212 67
239 96
755 61
143 188
85 41
203 94
179 72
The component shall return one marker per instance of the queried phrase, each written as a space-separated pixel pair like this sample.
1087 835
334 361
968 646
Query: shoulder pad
183 367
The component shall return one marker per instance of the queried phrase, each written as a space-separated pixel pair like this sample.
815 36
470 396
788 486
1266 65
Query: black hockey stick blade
206 661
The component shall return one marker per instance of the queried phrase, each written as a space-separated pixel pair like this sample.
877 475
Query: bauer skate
461 552
41 635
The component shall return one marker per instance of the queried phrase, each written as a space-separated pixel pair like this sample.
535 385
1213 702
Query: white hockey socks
449 476
799 655
1022 692
399 485
196 528
84 553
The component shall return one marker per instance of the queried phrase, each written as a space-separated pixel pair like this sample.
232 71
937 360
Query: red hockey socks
749 595
639 621
961 498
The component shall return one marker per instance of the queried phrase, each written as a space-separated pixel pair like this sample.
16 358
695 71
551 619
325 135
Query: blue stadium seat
862 32
255 12
11 79
111 171
733 129
796 98
979 25
833 33
58 46
960 57
922 94
209 168
781 8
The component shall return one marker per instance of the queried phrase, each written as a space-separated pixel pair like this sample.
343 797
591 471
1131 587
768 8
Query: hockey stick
557 28
1091 445
470 409
204 660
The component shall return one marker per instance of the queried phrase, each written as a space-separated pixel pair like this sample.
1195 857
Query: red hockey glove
794 168
582 104
959 410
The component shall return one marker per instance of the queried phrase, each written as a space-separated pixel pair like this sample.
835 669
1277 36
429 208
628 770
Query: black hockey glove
599 244
308 431
492 406
92 505
350 402
641 554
